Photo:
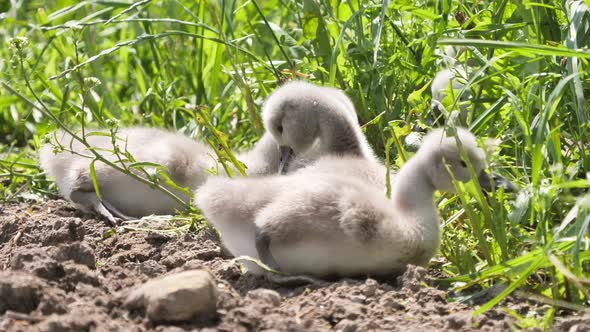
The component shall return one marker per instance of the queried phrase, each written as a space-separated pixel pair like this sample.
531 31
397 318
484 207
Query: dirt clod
413 278
38 262
19 292
77 252
576 323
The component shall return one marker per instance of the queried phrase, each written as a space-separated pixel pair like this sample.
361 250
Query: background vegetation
119 63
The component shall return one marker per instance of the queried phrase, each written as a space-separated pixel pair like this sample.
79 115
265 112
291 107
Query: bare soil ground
59 272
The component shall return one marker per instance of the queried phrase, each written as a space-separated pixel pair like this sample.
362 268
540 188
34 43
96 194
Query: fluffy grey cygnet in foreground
328 131
326 224
298 117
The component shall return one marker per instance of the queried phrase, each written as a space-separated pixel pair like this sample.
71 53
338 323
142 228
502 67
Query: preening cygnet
303 122
309 121
185 160
320 224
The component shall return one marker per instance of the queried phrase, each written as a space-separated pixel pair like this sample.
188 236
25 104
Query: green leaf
94 181
523 48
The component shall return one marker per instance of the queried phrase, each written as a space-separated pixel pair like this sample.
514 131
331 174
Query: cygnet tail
57 167
263 158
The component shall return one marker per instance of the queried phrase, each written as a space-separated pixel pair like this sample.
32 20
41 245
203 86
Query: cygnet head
298 114
443 155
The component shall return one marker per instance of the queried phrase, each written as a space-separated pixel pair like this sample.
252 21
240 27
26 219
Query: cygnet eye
463 163
280 129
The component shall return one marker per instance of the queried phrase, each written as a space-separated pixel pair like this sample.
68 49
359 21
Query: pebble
346 325
268 295
370 287
177 297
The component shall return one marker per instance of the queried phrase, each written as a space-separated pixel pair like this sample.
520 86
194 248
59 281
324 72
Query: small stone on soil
268 295
370 287
346 325
177 297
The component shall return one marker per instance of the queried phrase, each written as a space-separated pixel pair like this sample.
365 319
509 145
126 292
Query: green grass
112 63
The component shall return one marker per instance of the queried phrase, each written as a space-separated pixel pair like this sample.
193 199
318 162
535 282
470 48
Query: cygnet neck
339 135
265 145
263 158
413 188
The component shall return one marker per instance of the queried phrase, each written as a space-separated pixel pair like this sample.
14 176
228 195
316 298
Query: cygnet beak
285 155
496 181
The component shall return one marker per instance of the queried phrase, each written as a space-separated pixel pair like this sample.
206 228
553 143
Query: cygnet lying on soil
321 224
185 160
